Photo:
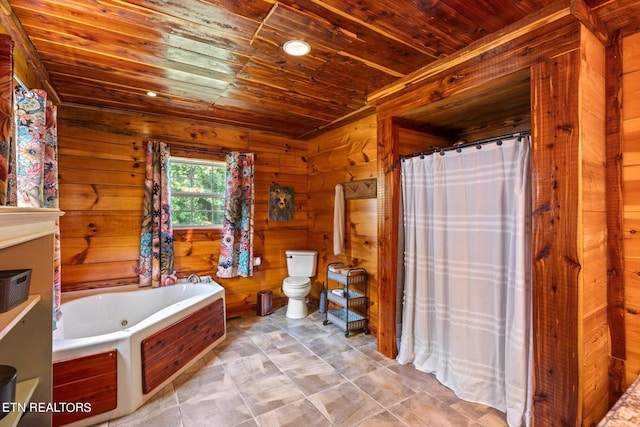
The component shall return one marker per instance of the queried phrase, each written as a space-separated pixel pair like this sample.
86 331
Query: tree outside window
197 192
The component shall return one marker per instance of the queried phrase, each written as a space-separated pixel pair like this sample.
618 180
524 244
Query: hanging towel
338 221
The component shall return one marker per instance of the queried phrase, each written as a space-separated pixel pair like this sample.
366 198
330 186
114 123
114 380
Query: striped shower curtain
466 314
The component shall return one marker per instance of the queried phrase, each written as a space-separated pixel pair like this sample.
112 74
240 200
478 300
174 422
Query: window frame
201 162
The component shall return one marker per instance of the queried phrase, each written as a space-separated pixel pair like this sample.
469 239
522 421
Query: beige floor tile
236 346
371 350
356 339
352 363
475 411
220 409
383 419
494 418
326 346
275 371
292 356
169 417
267 393
425 410
300 413
273 340
251 368
345 404
202 384
385 386
309 331
164 399
315 376
210 395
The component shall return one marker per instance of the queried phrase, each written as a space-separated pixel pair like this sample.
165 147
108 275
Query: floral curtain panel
50 198
236 248
36 165
30 140
157 262
6 114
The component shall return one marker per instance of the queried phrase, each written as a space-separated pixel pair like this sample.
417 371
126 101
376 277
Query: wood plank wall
101 163
345 154
569 273
631 200
595 339
571 341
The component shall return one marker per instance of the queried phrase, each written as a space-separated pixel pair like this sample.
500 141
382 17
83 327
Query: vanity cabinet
347 289
27 242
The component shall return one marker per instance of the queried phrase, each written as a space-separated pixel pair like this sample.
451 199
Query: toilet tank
301 263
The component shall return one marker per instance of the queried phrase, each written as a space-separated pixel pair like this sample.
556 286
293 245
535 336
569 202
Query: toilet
301 266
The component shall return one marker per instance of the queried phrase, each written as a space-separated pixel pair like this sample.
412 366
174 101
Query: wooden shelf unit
27 241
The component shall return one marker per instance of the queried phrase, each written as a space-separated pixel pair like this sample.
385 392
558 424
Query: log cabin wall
101 163
571 343
413 141
631 200
593 231
21 68
343 155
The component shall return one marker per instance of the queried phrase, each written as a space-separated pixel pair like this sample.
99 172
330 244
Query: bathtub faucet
193 278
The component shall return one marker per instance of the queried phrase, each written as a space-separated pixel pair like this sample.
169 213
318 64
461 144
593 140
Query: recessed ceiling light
150 93
297 47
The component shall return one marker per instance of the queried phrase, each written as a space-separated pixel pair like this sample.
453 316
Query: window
197 192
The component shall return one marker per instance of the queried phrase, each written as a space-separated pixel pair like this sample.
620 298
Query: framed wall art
280 203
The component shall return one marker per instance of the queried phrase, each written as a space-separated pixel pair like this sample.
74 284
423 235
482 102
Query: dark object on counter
14 288
8 376
263 305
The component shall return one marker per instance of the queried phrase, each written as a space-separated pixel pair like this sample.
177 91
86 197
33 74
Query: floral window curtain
6 114
50 198
30 140
157 263
236 248
36 164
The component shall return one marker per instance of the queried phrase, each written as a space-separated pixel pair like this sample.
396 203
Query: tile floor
274 371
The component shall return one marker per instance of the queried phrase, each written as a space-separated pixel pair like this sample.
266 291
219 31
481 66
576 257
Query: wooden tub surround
168 350
90 379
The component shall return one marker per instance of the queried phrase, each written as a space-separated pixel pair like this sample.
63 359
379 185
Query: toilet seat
296 282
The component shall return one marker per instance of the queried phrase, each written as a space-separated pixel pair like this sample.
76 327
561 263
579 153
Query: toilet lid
296 281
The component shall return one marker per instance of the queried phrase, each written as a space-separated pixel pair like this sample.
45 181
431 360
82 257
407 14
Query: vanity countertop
626 411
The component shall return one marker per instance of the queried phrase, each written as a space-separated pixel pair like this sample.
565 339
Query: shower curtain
466 313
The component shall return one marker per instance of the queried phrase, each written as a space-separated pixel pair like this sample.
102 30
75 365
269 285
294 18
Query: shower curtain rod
458 146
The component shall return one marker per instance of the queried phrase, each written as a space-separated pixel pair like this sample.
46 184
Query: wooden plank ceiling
222 60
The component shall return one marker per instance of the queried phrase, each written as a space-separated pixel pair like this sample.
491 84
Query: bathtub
135 329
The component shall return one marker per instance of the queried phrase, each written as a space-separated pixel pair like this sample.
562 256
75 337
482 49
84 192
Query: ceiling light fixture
297 47
150 93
